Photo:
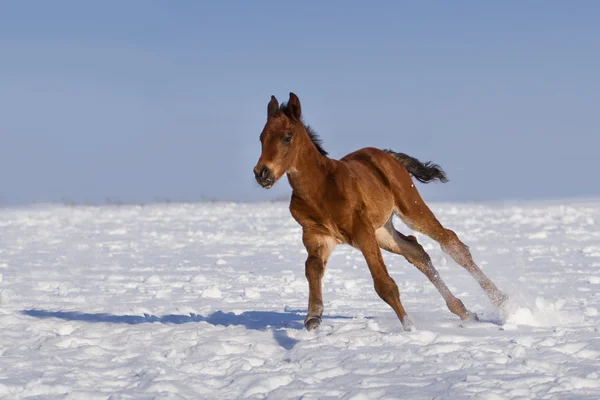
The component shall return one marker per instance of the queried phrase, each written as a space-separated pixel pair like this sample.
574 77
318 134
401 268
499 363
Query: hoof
408 325
505 307
312 322
502 301
470 316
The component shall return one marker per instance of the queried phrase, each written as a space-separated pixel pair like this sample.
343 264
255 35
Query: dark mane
314 137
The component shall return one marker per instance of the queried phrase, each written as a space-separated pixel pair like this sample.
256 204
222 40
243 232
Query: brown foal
352 201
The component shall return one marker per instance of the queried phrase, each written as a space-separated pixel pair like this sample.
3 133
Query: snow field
207 301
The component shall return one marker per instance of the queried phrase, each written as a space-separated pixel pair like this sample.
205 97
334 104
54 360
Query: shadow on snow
255 320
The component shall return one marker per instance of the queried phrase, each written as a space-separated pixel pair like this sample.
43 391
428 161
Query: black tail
423 172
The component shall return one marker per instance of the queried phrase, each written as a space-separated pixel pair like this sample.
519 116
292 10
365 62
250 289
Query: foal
352 201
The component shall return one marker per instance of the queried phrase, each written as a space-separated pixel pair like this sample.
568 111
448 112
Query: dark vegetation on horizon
116 202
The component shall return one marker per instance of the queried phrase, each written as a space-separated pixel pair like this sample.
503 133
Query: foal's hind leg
420 218
391 240
386 288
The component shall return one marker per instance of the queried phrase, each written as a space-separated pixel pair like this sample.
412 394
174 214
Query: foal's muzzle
264 176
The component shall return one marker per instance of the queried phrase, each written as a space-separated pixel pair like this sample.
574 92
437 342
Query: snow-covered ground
207 301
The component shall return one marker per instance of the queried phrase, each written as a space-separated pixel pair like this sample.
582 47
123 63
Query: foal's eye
288 138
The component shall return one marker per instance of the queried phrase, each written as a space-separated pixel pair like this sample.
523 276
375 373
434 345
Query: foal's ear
273 107
294 107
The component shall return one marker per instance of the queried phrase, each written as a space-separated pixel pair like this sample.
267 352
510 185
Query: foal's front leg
386 288
319 249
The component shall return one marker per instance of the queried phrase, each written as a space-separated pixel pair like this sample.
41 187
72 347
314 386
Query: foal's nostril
264 173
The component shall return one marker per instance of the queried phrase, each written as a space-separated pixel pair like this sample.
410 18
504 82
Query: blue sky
138 101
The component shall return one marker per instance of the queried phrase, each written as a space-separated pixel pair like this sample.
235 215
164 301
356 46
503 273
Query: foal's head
283 138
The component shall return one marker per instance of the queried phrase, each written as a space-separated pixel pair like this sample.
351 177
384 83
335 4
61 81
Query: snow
193 301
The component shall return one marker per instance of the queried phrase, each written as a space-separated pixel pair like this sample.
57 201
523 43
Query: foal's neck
310 170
